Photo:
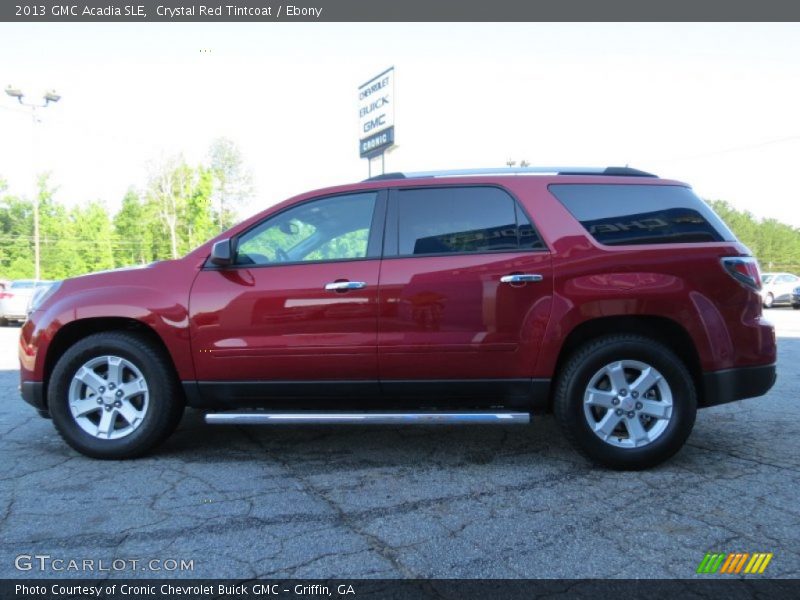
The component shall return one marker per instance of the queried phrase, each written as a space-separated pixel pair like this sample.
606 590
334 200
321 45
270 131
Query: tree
16 236
167 193
93 233
133 238
59 245
233 182
775 244
199 218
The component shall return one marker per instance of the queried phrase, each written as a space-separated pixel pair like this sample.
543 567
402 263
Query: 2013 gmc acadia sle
615 299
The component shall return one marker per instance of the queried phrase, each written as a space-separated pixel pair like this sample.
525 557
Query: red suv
617 300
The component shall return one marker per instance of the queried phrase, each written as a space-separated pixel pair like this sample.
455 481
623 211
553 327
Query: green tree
775 244
59 247
16 236
233 182
198 218
92 233
133 234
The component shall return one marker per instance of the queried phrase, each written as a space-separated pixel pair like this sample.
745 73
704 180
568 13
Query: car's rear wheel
769 300
112 395
626 401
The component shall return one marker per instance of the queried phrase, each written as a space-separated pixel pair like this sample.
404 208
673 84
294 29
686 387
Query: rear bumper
729 385
33 393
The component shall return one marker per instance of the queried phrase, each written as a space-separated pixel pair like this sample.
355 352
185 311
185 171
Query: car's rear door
296 315
465 290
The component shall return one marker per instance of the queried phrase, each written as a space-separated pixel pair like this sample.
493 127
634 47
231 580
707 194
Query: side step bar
359 418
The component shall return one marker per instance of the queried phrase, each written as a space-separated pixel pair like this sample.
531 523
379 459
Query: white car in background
776 288
17 296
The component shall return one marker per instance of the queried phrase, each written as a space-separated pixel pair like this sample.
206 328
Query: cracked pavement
386 502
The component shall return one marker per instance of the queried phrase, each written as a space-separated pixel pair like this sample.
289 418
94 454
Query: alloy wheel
628 404
108 397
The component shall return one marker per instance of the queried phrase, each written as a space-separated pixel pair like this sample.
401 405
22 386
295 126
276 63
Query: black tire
769 300
3 322
165 405
576 375
796 306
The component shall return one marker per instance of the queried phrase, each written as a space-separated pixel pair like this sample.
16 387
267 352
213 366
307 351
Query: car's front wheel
626 401
112 395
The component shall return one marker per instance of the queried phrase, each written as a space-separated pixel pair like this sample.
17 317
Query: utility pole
49 97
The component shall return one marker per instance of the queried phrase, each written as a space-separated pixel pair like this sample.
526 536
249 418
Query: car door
297 311
465 289
785 285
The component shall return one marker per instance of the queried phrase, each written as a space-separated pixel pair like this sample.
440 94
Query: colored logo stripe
733 563
758 563
710 563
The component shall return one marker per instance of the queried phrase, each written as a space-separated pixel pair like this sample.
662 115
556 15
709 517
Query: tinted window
22 285
334 228
456 220
642 214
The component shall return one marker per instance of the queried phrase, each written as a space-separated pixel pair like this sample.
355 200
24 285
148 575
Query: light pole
49 97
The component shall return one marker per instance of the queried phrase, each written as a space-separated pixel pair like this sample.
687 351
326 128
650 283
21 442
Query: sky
715 105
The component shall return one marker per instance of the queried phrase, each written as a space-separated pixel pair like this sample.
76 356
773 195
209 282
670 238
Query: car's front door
298 308
465 290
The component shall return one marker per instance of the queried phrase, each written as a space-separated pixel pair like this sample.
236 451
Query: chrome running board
364 418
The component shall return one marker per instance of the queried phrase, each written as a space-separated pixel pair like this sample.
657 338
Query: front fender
159 310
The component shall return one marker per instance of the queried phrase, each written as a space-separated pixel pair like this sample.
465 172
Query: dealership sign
376 114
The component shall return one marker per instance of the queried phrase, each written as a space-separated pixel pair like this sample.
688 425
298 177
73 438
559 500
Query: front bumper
729 385
33 393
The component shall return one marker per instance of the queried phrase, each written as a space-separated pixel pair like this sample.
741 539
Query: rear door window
642 214
457 220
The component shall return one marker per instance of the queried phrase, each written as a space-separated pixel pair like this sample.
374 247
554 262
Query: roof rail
609 171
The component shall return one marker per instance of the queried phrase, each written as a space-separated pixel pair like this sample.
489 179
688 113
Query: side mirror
222 253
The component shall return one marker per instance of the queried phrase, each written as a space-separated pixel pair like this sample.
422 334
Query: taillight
743 269
4 295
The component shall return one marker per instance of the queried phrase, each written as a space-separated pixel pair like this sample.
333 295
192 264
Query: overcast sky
717 106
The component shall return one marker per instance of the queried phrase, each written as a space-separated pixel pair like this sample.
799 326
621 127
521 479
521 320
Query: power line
781 140
55 240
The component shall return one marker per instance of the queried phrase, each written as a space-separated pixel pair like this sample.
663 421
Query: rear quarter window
619 215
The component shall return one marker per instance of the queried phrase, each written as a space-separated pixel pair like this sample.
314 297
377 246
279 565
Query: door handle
521 278
343 286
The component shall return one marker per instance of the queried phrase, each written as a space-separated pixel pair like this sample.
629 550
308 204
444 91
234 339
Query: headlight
42 294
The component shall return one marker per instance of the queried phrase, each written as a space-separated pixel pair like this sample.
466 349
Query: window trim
392 226
374 241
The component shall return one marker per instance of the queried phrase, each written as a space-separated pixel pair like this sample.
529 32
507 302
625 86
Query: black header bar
406 589
58 11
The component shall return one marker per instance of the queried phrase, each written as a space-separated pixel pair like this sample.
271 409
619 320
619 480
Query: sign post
376 117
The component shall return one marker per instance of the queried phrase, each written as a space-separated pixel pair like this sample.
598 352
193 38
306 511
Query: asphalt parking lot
313 502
